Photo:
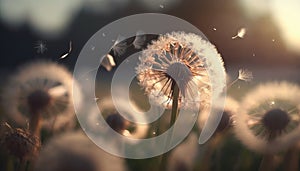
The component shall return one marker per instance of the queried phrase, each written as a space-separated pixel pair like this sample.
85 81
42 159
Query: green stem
267 163
174 112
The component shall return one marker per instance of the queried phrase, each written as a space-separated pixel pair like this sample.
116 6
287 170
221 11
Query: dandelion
20 143
174 71
178 59
74 151
116 121
40 92
269 118
241 33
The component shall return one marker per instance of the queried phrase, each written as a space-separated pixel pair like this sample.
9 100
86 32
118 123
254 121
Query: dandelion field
221 94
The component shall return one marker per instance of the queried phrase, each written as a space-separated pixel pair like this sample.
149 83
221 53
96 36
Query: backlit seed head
269 117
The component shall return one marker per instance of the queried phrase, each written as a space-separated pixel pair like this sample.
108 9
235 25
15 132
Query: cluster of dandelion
178 71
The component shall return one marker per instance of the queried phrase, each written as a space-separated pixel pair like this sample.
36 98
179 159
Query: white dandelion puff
69 51
269 120
41 89
139 40
241 33
76 152
182 59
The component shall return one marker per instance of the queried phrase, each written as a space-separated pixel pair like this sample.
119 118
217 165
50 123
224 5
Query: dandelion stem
174 112
35 123
267 163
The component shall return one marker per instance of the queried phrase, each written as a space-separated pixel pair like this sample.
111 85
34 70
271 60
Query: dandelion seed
139 40
108 62
119 47
41 47
269 128
181 58
67 54
241 33
161 6
245 75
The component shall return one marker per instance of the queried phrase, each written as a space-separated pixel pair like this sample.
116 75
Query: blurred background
270 47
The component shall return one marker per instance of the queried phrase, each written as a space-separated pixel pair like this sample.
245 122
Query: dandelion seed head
269 120
116 121
184 59
245 75
43 87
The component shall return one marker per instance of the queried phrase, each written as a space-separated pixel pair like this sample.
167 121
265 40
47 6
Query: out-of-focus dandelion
40 47
115 120
83 154
20 143
67 54
40 92
269 118
241 33
139 40
244 75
